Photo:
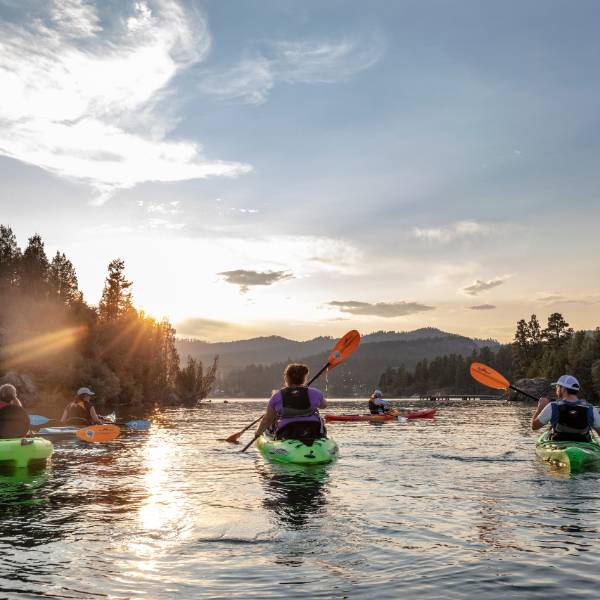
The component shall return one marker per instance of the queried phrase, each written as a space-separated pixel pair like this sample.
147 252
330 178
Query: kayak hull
323 450
58 432
574 456
413 414
24 452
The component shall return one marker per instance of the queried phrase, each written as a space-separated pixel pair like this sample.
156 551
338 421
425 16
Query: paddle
234 437
37 420
98 433
491 378
137 424
339 353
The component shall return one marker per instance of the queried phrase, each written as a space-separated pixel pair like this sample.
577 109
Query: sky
305 168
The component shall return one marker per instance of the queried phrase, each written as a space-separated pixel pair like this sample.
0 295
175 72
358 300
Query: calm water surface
456 507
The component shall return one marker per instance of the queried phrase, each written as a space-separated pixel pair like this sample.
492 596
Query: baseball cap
377 394
84 391
569 382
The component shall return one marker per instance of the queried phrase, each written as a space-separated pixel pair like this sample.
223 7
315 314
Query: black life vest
14 421
375 409
571 421
296 402
77 413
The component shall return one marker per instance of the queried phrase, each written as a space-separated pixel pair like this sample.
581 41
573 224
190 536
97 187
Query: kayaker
570 418
14 421
293 411
81 411
379 406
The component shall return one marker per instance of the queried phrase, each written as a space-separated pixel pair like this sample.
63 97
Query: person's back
293 411
14 421
570 418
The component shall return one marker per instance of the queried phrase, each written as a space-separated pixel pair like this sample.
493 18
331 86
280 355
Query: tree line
535 352
52 341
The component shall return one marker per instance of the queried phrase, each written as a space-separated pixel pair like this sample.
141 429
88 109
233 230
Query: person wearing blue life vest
570 418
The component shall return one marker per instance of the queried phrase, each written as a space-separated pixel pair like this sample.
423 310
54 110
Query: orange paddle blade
488 376
99 433
234 438
344 348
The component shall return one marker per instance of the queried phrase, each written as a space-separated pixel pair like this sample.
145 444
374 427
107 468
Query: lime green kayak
24 452
575 456
322 450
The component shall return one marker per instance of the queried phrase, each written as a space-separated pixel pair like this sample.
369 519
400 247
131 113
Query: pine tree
35 269
116 296
63 280
557 331
10 256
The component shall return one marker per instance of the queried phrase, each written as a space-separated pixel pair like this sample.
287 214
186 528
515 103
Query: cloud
322 62
246 279
86 101
380 309
198 327
446 234
483 286
482 307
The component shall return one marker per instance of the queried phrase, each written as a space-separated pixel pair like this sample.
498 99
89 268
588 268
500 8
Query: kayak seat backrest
14 422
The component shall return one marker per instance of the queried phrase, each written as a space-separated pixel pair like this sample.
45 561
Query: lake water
455 507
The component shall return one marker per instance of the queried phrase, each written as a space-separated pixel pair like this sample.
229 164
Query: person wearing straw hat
570 418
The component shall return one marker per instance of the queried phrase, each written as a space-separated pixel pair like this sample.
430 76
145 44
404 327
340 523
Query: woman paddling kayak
293 411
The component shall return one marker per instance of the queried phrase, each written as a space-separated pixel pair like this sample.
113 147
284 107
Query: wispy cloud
448 233
198 327
83 101
481 286
380 309
245 279
313 62
482 307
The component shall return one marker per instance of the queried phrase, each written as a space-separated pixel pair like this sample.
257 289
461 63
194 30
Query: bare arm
65 415
535 422
95 418
323 403
266 421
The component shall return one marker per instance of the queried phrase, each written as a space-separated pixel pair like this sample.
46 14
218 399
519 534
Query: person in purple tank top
293 411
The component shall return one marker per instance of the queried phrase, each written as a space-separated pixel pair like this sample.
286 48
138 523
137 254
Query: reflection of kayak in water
575 456
294 493
24 452
409 414
322 450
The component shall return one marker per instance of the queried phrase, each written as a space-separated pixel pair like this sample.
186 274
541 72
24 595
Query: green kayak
24 452
322 450
575 456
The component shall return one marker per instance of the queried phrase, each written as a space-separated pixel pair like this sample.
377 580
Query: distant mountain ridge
277 349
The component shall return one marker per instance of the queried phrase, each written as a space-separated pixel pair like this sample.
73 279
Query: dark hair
295 374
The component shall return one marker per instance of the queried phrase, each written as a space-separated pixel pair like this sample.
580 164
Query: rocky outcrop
538 387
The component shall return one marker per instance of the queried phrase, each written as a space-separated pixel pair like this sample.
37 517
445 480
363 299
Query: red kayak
427 413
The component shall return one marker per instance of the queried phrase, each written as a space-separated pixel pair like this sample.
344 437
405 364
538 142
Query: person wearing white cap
80 410
377 405
570 418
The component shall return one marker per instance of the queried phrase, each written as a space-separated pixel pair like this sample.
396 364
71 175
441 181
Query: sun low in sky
302 168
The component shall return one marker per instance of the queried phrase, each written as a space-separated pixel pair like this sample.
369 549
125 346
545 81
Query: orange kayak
427 413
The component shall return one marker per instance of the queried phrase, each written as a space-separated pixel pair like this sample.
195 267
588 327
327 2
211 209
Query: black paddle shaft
516 389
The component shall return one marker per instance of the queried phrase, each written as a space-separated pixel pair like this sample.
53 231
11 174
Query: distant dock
434 397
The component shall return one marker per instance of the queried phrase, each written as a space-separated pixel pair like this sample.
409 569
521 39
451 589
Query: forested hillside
52 341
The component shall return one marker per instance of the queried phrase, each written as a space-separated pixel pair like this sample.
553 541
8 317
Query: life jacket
571 421
77 413
14 421
375 409
296 403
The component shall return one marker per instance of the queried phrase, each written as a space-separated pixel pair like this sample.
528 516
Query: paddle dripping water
454 507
